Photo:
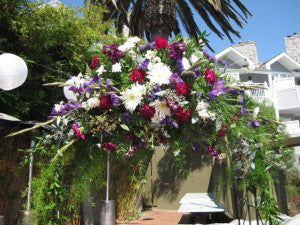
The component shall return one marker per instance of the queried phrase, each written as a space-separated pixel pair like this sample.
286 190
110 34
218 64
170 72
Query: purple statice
254 123
212 95
144 64
143 47
209 56
180 65
114 99
126 117
196 146
210 148
169 122
96 79
107 82
234 92
175 79
113 52
197 73
154 91
222 62
242 99
176 50
64 109
217 89
152 45
243 111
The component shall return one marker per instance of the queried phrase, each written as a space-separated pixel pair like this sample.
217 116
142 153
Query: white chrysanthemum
92 103
76 80
186 64
202 106
133 96
160 74
162 109
100 70
116 68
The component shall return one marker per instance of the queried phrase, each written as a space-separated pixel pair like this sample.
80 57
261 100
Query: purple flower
133 150
254 123
175 79
214 153
180 65
144 64
144 47
126 117
96 79
241 99
113 52
234 92
212 95
107 82
199 94
114 99
210 148
222 62
176 50
142 144
209 56
208 123
170 122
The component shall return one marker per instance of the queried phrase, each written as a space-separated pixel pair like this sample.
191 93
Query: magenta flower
78 132
109 146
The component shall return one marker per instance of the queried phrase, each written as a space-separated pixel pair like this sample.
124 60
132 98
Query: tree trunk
160 17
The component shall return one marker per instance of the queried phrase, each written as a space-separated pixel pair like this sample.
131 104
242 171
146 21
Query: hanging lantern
69 94
13 71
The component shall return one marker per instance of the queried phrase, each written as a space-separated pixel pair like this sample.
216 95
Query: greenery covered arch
138 95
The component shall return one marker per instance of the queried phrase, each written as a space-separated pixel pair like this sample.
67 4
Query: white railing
292 127
284 83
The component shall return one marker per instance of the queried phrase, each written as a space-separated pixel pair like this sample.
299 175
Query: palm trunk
160 17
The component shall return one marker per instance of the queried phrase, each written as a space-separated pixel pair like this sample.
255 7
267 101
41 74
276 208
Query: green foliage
53 42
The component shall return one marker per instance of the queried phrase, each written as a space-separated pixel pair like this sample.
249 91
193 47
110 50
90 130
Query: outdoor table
200 204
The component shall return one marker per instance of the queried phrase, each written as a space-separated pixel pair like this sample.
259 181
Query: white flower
133 96
156 118
76 81
150 54
130 43
186 64
203 112
116 67
162 109
91 103
160 74
194 59
100 70
58 107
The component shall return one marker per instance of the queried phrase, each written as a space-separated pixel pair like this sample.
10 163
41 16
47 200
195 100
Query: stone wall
292 46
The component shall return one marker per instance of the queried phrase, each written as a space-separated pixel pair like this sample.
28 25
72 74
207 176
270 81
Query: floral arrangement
150 94
175 95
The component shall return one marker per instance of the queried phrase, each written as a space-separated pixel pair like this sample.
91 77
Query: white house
281 76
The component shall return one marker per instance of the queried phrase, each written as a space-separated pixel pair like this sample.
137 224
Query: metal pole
32 144
107 176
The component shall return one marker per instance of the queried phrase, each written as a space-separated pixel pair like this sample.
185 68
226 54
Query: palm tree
162 17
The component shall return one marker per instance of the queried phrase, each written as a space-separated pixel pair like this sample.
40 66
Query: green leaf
124 126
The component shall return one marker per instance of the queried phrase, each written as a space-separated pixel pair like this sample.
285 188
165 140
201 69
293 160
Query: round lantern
13 71
69 94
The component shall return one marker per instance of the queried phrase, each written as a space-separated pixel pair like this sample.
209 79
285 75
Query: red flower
109 146
137 75
210 76
147 111
161 42
95 62
78 132
223 131
105 102
183 88
181 114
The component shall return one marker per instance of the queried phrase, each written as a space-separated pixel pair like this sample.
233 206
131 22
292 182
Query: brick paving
160 217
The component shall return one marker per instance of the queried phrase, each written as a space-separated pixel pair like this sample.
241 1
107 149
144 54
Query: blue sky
272 21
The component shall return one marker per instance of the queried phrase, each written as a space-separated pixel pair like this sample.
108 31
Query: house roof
284 59
237 57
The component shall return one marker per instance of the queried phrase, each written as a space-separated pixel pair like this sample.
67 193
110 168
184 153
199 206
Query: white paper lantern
69 94
13 71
